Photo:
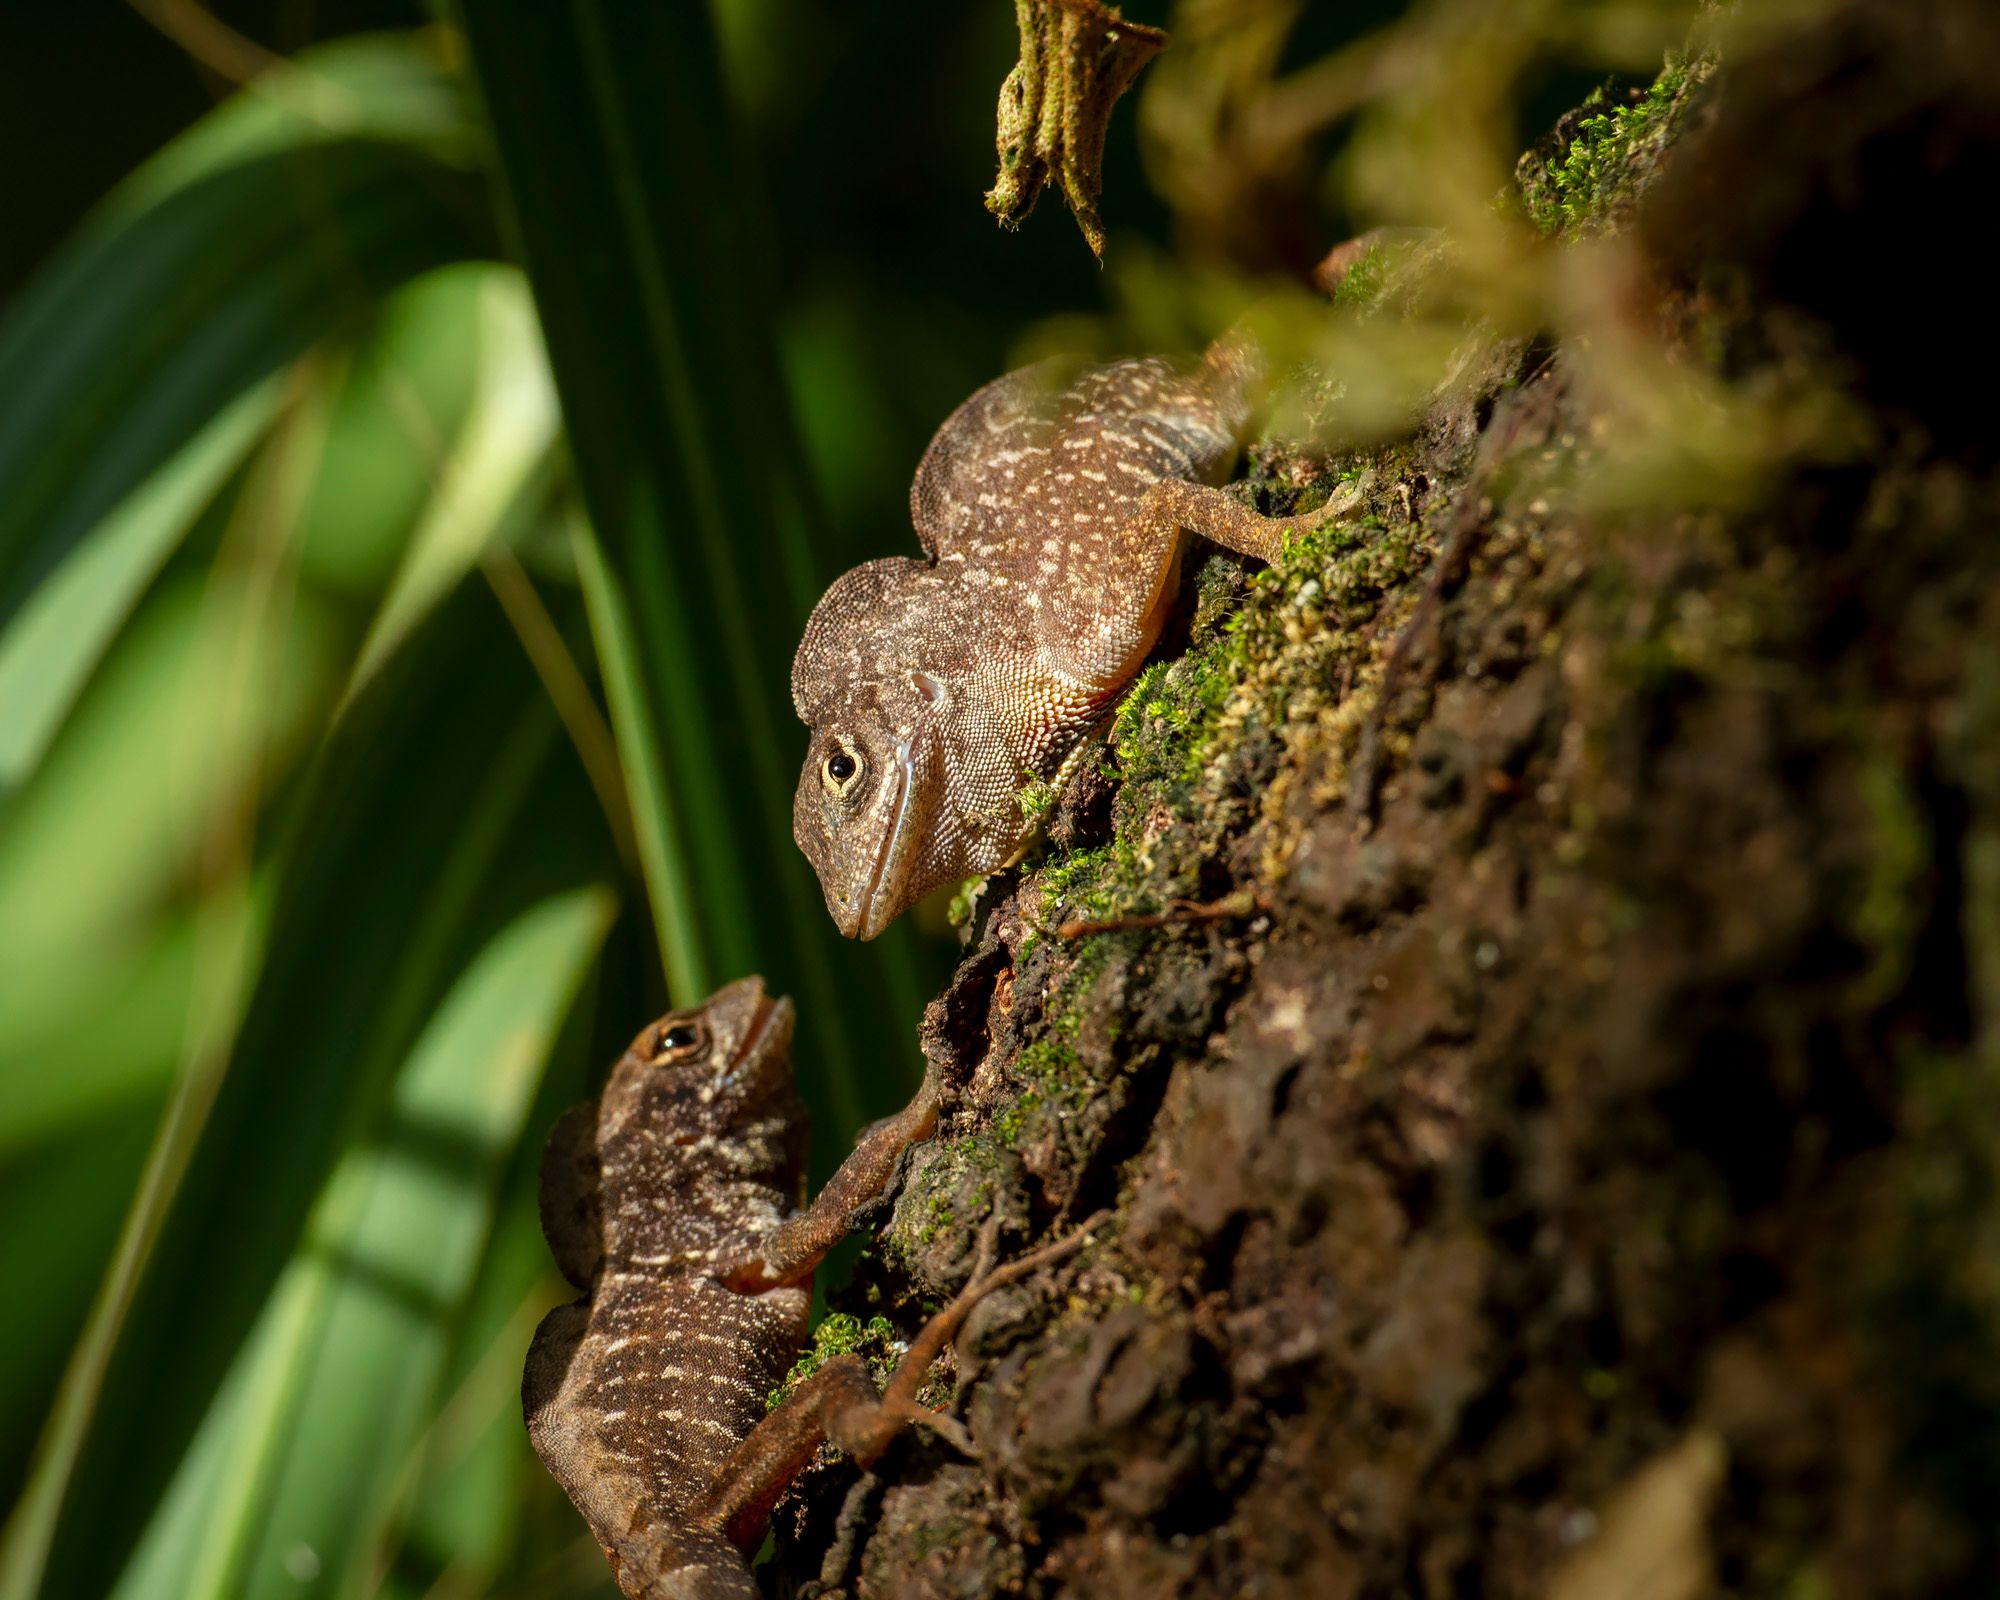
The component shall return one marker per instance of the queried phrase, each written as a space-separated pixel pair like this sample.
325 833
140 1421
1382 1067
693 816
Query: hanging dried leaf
1077 58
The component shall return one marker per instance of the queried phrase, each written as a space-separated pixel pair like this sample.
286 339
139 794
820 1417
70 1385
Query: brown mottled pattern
934 689
638 1393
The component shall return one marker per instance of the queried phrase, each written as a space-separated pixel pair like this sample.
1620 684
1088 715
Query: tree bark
1551 1148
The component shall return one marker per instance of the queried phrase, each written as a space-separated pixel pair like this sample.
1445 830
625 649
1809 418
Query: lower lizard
669 1201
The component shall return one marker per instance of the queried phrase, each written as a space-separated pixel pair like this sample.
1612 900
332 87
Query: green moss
1009 1122
1605 159
1270 654
840 1335
959 912
1162 726
1051 1062
1036 799
1892 905
1055 1078
1072 883
1364 279
960 1180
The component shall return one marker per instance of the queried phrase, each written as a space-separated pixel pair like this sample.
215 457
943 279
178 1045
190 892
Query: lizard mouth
772 1017
767 1039
881 897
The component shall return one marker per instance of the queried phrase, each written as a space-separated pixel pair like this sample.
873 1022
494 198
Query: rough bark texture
1570 1170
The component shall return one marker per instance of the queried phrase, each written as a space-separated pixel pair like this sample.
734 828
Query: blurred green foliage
393 653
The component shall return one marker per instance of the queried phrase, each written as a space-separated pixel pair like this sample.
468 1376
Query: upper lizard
1053 515
670 1201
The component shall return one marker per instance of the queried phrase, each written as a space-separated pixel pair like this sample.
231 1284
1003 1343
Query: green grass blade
662 850
483 1514
52 645
218 681
458 1112
430 821
221 262
350 1351
210 689
73 1189
505 442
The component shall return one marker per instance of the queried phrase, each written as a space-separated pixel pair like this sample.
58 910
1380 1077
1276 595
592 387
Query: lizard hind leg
839 1402
865 1430
675 1564
760 1469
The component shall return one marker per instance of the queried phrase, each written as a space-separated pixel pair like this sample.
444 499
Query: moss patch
839 1334
1588 174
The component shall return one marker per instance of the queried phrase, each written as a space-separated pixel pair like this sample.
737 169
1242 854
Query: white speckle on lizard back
1041 595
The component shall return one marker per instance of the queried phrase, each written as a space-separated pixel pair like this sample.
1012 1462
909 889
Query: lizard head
871 809
709 1071
687 1115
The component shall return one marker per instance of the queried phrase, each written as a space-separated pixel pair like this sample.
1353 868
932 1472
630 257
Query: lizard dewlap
1053 514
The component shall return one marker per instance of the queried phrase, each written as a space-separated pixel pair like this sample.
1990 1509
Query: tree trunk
1549 1146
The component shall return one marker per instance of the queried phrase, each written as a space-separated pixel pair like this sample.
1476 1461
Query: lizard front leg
1101 626
1173 505
790 1252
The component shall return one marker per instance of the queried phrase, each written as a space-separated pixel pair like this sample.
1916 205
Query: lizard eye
679 1040
839 770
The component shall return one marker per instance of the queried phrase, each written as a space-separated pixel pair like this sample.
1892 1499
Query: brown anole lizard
1053 514
669 1200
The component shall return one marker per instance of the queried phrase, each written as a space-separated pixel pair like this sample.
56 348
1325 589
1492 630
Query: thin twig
1231 907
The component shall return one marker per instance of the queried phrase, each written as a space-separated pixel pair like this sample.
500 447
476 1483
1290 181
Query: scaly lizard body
1054 516
669 1200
